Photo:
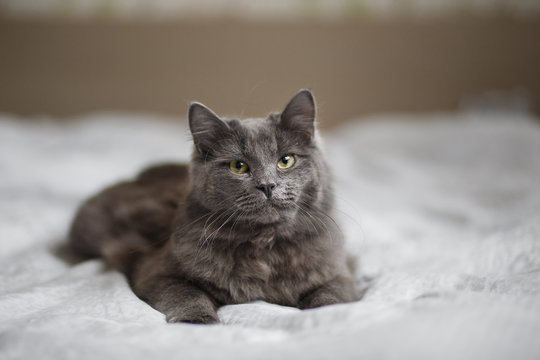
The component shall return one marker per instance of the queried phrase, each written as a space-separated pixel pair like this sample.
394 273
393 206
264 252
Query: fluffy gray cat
249 219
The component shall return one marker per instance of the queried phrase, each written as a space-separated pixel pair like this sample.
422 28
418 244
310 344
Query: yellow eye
286 162
238 167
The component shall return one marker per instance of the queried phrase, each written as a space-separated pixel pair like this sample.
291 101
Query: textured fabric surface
442 211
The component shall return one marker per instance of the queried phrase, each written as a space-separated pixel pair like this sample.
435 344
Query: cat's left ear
206 127
298 116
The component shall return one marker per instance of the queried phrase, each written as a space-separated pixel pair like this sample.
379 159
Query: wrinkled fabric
441 211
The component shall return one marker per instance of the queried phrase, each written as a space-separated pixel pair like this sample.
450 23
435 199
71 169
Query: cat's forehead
252 126
255 134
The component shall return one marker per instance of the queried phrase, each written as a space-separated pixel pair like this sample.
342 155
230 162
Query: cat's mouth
270 211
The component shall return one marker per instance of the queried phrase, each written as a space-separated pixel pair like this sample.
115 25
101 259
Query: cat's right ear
206 127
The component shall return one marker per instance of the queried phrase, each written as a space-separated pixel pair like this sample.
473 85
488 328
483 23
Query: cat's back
131 215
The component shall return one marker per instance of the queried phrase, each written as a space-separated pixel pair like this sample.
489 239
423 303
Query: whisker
324 225
308 220
316 211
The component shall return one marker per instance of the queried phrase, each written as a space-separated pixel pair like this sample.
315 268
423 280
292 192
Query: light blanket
443 212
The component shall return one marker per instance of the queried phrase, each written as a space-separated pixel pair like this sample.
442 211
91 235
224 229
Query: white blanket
443 212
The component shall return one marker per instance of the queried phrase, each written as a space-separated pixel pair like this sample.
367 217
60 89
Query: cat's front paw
339 290
193 316
319 299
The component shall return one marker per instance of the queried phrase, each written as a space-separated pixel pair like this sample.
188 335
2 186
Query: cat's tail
124 255
119 253
88 231
91 236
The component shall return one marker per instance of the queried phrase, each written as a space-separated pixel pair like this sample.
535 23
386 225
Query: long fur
193 238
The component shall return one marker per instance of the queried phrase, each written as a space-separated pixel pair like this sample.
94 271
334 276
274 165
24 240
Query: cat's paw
339 290
319 299
193 316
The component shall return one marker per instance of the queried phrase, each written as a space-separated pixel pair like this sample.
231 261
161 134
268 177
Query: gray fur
191 241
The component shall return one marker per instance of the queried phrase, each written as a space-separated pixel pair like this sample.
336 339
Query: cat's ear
299 115
206 127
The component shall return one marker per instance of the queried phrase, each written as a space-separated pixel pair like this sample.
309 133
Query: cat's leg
179 299
338 290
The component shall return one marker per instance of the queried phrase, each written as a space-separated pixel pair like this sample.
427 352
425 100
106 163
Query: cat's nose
267 189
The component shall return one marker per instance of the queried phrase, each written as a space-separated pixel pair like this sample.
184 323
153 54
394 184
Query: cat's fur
192 240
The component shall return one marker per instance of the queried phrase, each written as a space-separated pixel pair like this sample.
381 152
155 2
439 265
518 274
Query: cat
249 219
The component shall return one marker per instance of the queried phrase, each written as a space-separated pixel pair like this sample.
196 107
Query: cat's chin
272 213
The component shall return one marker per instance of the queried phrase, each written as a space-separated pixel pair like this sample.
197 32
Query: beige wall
61 68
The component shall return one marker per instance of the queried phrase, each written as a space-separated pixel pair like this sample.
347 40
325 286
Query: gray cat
248 220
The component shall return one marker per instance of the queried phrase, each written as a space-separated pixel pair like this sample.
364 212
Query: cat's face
261 170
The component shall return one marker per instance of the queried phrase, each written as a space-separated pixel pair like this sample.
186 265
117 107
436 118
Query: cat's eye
238 167
286 162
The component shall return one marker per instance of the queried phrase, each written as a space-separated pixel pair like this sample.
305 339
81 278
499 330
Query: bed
442 212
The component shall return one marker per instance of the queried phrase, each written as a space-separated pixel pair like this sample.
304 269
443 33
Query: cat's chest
256 261
265 266
270 269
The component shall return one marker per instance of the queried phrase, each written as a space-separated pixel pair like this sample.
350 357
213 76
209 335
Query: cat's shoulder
163 173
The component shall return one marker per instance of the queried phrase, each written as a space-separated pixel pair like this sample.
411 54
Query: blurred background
62 58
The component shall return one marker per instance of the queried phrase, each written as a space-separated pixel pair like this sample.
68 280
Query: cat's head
260 170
